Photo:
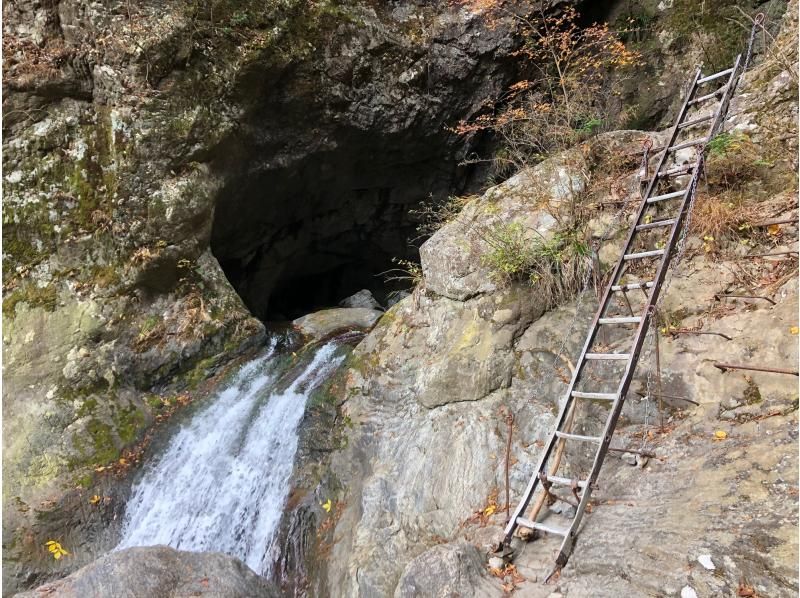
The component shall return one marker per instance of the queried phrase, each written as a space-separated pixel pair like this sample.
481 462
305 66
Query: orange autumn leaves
574 76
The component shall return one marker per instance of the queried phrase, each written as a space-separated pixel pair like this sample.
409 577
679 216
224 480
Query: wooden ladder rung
686 144
708 96
695 121
632 286
557 481
672 195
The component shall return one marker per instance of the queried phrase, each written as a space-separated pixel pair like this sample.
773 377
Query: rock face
156 156
160 571
324 169
444 571
431 387
289 140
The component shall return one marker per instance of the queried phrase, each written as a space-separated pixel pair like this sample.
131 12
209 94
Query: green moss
84 481
752 394
102 442
714 28
155 402
87 408
129 422
32 294
199 372
106 276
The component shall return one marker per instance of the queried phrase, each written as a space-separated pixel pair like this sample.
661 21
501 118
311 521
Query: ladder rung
672 195
541 527
656 224
621 320
715 76
643 254
567 436
695 121
607 356
632 286
675 171
709 96
686 144
566 481
601 396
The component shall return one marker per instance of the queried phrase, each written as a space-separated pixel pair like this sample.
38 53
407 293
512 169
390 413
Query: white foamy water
222 481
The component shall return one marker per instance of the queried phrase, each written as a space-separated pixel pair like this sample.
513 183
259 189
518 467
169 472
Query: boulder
538 198
362 298
159 572
321 324
456 569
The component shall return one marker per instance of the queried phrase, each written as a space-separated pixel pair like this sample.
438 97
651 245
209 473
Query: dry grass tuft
722 216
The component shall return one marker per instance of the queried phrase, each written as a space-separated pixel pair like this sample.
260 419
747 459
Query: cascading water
222 482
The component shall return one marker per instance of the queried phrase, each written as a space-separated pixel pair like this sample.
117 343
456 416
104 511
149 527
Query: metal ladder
644 225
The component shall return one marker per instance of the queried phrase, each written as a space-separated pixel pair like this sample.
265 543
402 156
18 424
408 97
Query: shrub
577 76
555 267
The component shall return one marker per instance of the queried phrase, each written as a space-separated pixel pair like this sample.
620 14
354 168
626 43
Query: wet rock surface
159 571
324 323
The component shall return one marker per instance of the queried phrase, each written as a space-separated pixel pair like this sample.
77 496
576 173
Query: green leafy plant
725 143
554 265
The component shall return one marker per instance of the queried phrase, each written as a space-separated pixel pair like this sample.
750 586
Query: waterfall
223 480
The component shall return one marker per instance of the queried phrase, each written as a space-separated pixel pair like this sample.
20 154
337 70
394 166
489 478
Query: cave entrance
302 235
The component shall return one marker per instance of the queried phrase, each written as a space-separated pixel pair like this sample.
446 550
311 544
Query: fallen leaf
56 549
489 511
774 229
327 505
720 435
746 590
794 329
94 500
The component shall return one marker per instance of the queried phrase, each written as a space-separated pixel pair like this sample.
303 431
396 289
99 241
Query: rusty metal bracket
793 251
752 368
721 296
677 331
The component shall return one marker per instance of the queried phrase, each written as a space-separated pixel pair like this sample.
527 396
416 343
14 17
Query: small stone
705 560
496 562
688 592
525 533
629 458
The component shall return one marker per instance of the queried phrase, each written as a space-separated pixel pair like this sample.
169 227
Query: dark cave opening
297 236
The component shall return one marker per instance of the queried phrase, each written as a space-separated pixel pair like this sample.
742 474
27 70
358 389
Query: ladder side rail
641 333
531 488
627 377
722 111
673 134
